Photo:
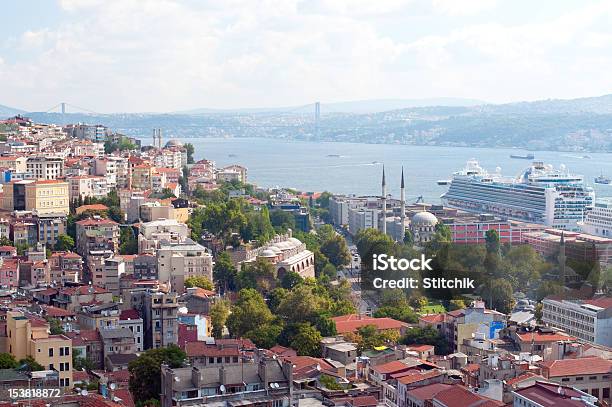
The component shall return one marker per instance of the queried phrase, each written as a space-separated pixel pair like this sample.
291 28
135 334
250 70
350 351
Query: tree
190 151
323 199
456 304
499 292
408 238
291 279
492 241
145 370
7 361
265 336
282 220
55 326
64 243
426 336
301 305
219 312
538 313
259 274
5 241
418 302
336 250
307 341
225 273
249 312
30 364
199 281
404 314
80 363
128 243
116 214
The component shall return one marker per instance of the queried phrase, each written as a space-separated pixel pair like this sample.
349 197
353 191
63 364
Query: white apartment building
88 185
44 168
589 320
152 234
114 169
598 221
178 261
169 158
362 218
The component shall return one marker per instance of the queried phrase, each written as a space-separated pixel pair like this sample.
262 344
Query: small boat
334 155
232 155
523 157
444 181
602 179
586 156
375 162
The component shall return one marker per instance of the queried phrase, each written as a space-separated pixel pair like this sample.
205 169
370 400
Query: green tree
30 364
492 241
7 361
249 312
456 304
55 326
302 304
190 151
128 243
282 220
426 336
5 241
499 292
265 336
418 302
307 341
219 312
64 243
79 362
291 279
199 281
408 238
323 199
145 370
538 313
225 273
336 250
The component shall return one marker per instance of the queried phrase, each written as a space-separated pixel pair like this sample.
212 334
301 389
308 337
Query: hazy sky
162 55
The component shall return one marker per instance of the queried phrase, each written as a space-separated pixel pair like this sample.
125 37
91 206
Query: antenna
222 388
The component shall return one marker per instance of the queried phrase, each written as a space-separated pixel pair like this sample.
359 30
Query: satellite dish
177 379
318 367
112 386
84 392
222 388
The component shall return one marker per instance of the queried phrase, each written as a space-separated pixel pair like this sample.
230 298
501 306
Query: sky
171 55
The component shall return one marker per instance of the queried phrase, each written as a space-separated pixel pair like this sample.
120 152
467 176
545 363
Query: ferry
523 157
540 194
602 179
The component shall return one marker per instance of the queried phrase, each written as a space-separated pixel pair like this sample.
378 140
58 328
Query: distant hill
597 104
7 111
357 106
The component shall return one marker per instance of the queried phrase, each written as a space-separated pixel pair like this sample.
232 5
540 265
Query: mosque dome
295 242
284 245
275 249
267 253
424 219
174 143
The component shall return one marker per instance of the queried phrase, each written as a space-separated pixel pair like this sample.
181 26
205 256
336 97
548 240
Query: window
579 378
50 352
61 351
595 392
565 379
211 360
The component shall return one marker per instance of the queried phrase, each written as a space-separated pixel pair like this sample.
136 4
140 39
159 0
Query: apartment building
48 197
88 186
28 337
592 375
45 168
65 267
153 233
178 261
160 318
589 320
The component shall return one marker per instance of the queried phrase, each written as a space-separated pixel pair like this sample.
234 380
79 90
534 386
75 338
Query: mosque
422 225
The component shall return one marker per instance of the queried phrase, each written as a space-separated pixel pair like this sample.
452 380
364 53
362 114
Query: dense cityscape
134 275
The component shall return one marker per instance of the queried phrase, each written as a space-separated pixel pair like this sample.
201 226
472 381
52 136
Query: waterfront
356 168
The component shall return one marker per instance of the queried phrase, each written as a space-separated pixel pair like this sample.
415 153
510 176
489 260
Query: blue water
306 166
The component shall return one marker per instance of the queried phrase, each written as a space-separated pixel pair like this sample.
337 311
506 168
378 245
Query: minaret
384 203
561 259
402 206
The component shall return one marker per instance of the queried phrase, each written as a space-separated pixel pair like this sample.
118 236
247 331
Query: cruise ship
541 194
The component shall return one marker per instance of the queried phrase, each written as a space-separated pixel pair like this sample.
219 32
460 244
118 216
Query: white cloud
148 55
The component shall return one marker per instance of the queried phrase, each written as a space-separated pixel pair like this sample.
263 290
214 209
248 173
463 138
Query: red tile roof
129 314
428 391
93 207
351 323
547 395
575 367
420 348
471 367
56 312
84 290
539 337
522 378
459 396
603 302
432 318
391 367
419 376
